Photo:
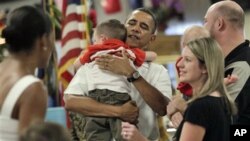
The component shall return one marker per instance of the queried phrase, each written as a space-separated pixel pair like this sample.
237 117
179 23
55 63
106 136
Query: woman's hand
176 119
131 133
177 104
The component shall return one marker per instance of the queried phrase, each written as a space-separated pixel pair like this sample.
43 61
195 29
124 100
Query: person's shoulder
156 66
206 101
83 68
202 99
34 86
198 105
33 92
152 64
156 71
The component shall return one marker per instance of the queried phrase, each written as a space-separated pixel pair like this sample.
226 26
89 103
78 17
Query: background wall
247 24
12 4
194 13
121 16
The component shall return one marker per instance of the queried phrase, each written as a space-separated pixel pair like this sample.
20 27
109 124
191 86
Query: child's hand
230 79
120 54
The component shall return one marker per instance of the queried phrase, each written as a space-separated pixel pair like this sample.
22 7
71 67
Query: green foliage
56 17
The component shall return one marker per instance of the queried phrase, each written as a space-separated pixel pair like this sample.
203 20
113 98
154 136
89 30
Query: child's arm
77 63
150 56
142 56
230 79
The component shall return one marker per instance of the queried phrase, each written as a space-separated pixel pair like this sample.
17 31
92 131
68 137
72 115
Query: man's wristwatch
135 75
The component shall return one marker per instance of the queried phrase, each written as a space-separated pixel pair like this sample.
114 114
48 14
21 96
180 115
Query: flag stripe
66 67
72 44
74 38
67 75
72 35
73 17
74 8
72 26
71 54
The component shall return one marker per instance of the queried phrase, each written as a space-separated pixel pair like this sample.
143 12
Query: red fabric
184 88
111 6
112 44
92 17
140 56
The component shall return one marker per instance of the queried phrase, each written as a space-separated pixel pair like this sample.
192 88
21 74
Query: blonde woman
209 111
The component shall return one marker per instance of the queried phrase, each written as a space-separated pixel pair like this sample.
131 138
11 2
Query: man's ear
221 25
153 37
103 37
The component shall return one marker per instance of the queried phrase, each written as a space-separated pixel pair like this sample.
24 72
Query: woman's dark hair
24 26
47 131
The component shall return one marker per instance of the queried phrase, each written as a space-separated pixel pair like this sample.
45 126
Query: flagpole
84 2
54 55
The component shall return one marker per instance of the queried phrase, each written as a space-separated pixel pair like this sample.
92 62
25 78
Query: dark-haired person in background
46 131
151 88
23 97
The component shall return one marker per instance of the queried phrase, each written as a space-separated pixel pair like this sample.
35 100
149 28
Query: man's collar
146 65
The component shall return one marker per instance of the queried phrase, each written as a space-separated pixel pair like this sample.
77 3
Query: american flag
75 38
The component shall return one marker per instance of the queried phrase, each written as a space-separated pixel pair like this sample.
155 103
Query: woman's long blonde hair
209 54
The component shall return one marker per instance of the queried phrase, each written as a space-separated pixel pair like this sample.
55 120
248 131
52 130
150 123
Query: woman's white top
9 126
